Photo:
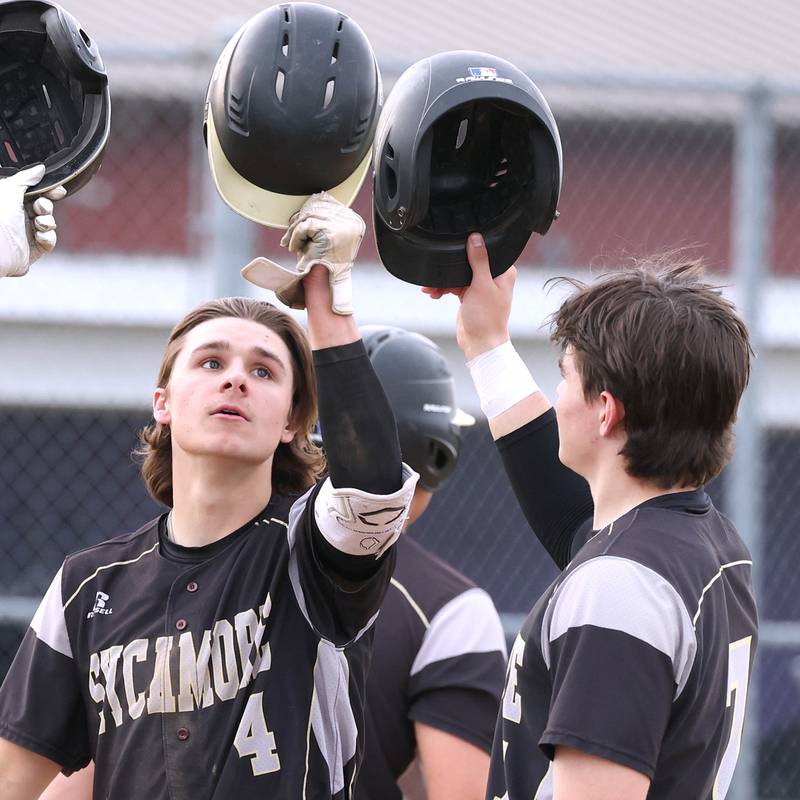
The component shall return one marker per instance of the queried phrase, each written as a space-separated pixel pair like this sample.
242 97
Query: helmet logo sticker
436 408
483 74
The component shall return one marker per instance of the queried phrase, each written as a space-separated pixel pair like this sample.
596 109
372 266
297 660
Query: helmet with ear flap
466 142
56 103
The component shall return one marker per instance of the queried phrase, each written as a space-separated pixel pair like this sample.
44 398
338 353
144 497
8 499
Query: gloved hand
27 230
324 231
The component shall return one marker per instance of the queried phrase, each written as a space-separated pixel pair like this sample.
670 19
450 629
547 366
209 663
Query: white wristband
501 379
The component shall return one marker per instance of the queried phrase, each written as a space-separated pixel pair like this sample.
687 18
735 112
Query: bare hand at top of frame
27 230
482 321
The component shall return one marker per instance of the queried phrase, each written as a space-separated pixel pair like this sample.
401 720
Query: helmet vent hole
47 96
285 45
388 151
59 132
341 25
286 14
280 79
329 86
85 36
10 151
335 53
462 133
390 177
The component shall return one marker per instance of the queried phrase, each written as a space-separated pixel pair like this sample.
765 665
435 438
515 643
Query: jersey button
180 625
182 734
191 586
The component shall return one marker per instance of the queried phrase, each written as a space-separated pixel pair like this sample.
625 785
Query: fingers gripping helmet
55 106
466 142
291 110
418 382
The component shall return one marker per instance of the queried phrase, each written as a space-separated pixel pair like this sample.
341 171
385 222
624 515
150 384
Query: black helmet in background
55 106
291 110
466 142
421 391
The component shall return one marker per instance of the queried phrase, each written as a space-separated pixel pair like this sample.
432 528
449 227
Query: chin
231 450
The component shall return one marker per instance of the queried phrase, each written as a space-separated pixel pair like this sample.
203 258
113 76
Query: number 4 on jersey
253 738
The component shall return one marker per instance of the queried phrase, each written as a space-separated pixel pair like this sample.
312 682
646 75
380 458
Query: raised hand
485 305
27 230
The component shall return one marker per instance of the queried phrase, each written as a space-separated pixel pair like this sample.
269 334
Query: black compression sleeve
358 427
555 500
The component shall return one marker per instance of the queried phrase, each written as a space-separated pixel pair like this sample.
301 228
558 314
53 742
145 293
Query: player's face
230 392
578 419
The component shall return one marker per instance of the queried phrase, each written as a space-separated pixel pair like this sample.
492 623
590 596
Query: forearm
508 394
358 427
580 776
77 786
23 774
526 410
453 769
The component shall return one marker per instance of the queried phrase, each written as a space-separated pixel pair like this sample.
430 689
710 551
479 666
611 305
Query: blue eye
211 363
263 372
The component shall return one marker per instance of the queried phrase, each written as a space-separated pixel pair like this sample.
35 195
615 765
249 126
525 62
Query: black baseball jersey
439 658
231 670
640 652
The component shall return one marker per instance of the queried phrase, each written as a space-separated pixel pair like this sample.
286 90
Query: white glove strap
341 292
501 379
359 523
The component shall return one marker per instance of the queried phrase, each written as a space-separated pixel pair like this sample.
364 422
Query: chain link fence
648 168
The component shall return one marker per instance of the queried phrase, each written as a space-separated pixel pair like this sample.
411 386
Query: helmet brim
260 205
409 256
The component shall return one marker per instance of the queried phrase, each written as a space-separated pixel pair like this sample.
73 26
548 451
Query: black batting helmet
420 389
291 110
418 382
466 142
55 104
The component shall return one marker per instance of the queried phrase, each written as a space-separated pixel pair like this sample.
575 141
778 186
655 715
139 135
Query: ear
161 412
287 435
612 412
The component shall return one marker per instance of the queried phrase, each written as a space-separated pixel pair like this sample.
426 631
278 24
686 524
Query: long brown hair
674 351
296 464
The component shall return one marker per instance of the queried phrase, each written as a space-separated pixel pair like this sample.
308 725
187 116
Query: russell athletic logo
100 600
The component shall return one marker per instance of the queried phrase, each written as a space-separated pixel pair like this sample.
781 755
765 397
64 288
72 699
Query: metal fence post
751 226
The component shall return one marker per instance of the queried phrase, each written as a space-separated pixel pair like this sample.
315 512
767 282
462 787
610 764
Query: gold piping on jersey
402 589
107 566
711 583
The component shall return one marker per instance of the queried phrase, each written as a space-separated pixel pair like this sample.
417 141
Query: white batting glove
27 230
324 231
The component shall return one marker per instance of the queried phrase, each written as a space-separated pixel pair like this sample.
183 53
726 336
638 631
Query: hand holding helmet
27 230
325 232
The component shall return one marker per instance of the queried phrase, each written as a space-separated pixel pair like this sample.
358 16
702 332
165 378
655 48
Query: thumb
478 258
28 177
507 279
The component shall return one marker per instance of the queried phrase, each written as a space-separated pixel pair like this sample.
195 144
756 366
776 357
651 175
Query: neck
213 497
615 492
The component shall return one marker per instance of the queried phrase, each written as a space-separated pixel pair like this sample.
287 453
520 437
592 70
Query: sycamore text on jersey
181 675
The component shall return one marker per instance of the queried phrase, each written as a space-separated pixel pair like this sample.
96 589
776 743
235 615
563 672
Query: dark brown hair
296 464
674 351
